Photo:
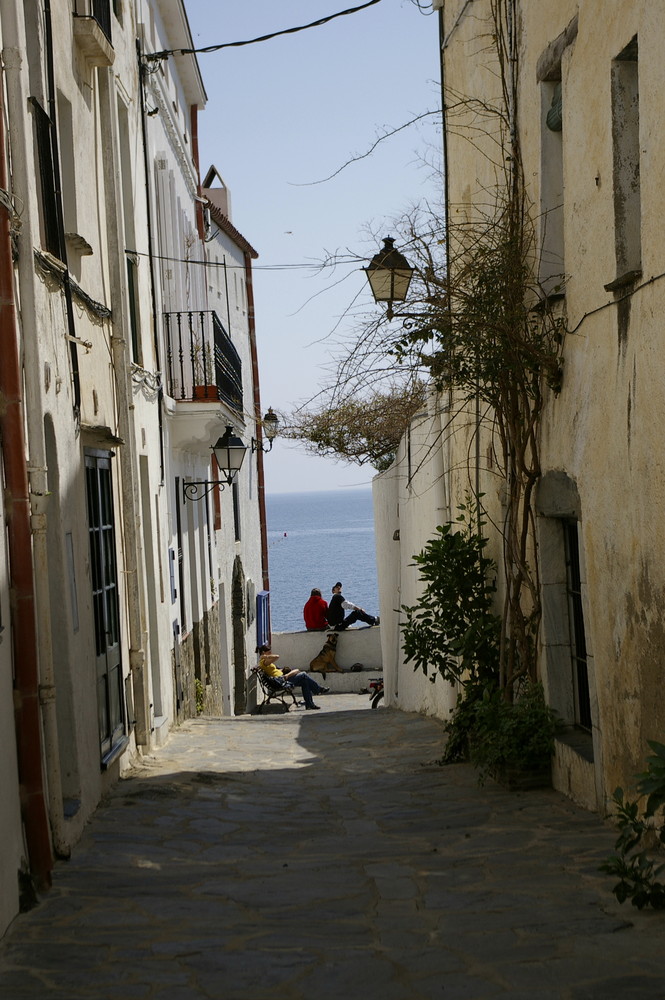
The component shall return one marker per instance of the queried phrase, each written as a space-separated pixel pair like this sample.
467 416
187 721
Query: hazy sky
284 113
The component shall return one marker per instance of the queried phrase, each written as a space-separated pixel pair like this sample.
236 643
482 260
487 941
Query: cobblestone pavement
321 855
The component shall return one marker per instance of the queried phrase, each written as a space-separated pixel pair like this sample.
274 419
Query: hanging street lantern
389 274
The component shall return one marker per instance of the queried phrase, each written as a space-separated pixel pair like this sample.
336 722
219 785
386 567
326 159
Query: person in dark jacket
338 605
315 612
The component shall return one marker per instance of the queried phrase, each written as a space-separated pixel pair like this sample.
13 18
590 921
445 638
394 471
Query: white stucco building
126 355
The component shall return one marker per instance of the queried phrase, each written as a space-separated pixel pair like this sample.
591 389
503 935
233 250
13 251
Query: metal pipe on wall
251 322
14 38
18 513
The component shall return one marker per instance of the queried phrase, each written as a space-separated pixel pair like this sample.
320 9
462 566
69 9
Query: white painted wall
354 645
410 500
227 295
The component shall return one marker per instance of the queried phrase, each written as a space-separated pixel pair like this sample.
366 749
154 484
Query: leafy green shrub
453 630
517 735
640 838
200 696
462 723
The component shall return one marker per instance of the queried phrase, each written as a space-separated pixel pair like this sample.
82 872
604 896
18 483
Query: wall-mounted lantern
389 274
229 452
270 425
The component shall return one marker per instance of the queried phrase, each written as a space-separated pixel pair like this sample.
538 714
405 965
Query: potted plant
203 372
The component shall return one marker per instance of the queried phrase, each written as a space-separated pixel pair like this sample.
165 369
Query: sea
315 539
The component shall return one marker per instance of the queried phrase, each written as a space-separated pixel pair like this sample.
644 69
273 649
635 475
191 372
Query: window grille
578 636
262 617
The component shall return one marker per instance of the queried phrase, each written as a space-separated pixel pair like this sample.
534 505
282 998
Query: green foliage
652 781
453 630
200 696
509 735
489 333
640 838
363 430
461 724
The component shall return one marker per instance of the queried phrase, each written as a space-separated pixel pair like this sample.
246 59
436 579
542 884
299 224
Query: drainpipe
257 417
14 37
156 324
443 44
131 510
57 185
17 510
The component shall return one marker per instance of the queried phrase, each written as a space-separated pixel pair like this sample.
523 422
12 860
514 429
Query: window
101 11
235 492
106 606
551 76
578 647
568 664
551 187
262 617
626 165
127 182
180 568
49 208
68 161
132 294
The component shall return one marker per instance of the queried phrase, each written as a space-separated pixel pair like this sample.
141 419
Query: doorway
106 605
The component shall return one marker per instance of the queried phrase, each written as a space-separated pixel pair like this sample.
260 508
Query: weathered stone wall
199 659
600 434
207 639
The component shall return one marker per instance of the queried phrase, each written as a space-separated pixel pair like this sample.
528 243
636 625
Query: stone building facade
585 110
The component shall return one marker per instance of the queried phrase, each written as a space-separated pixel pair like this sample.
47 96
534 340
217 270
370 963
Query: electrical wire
165 53
316 266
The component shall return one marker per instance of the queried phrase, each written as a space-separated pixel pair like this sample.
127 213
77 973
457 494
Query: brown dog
325 661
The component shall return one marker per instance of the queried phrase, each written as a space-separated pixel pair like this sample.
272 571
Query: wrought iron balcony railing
202 363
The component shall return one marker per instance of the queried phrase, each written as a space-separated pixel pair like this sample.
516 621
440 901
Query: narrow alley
312 856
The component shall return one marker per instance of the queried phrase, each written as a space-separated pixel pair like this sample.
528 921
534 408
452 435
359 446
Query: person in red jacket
315 612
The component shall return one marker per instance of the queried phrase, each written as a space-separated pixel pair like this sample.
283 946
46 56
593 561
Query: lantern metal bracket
199 490
408 319
256 445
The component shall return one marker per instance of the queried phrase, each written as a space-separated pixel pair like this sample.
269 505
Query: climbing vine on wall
482 331
498 345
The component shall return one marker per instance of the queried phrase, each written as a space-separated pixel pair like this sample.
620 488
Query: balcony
203 374
92 31
202 363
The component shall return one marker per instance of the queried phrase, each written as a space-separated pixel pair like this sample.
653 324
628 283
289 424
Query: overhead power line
304 266
165 53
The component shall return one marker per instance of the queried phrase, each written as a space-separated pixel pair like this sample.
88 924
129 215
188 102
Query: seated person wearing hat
338 604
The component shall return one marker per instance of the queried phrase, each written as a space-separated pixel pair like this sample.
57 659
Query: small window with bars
578 646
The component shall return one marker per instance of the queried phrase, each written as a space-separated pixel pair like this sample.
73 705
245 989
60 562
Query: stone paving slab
320 855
